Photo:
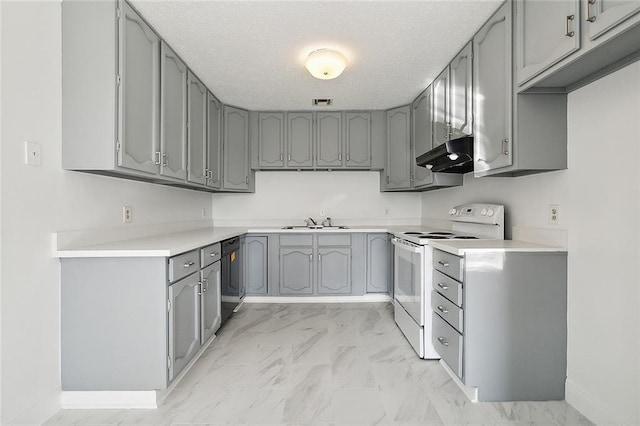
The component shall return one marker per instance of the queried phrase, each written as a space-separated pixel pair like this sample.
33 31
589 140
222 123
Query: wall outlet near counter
554 214
127 214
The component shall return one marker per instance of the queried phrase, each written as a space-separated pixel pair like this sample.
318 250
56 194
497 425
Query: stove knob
490 212
483 212
452 211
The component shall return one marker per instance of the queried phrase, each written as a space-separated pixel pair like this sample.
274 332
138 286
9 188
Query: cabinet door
602 16
460 105
184 323
300 139
173 100
210 301
329 139
271 139
440 108
334 270
256 265
378 263
138 98
398 149
492 85
236 148
546 32
422 139
358 139
214 137
197 131
296 270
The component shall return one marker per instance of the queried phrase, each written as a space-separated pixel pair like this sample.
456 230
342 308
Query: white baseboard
367 298
589 406
470 392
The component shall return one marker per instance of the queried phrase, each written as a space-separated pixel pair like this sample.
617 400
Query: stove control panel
478 213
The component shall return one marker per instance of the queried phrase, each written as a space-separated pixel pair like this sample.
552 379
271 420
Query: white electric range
413 268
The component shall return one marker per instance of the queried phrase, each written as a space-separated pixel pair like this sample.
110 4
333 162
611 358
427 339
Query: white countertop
462 247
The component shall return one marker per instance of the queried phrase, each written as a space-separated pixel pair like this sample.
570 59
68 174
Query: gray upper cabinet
214 138
197 131
492 92
460 95
138 96
300 139
296 270
173 101
256 273
378 263
211 301
334 270
546 32
329 139
603 16
422 134
271 139
236 149
357 139
440 113
184 323
398 170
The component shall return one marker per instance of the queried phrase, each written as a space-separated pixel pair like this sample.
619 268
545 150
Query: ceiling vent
322 102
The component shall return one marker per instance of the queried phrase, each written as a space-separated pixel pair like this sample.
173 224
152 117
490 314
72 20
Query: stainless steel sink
315 228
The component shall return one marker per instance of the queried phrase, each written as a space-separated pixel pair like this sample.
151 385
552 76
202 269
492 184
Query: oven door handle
413 249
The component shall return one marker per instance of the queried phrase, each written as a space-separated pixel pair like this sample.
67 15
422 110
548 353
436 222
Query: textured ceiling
251 53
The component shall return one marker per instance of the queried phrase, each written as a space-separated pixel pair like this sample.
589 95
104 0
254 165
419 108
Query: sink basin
314 228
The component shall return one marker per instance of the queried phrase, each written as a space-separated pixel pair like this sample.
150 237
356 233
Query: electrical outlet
387 212
554 214
322 212
33 156
127 214
204 213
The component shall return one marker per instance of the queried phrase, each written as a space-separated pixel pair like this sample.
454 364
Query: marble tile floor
320 364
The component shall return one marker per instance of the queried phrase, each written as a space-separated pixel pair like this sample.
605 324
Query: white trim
469 391
589 406
367 298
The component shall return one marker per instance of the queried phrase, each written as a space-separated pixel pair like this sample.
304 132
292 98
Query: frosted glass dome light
325 64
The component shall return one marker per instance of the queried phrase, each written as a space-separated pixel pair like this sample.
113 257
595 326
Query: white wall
599 197
290 197
37 201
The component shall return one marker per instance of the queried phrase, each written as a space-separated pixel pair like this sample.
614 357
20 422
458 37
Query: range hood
454 156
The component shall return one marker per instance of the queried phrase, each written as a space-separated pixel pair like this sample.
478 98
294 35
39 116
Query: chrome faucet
311 222
326 222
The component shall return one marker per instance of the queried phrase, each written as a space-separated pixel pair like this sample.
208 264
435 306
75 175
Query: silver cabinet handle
199 288
505 146
288 157
319 257
568 32
165 159
590 17
339 157
189 264
281 157
214 254
157 158
310 258
442 309
348 156
443 263
388 180
206 285
247 180
443 341
442 286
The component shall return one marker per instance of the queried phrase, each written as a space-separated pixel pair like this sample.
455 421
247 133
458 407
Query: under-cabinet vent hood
454 156
443 180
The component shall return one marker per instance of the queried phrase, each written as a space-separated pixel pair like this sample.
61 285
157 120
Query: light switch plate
33 155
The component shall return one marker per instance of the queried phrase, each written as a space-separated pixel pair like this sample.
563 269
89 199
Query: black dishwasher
232 287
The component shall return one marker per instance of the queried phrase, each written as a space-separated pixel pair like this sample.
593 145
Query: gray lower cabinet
184 323
334 270
214 142
197 131
210 279
398 168
237 175
357 142
256 265
173 102
296 270
329 139
378 263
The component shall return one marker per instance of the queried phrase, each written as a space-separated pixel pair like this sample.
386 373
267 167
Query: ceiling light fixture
325 64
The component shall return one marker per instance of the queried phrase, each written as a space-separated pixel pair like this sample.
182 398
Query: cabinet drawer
447 310
296 240
448 287
183 264
209 254
334 240
448 344
448 264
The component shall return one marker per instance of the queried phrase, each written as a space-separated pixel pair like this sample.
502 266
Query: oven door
408 278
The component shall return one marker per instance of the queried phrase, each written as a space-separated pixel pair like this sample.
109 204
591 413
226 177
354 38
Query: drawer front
448 264
447 310
296 240
209 254
183 264
334 240
448 344
448 287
